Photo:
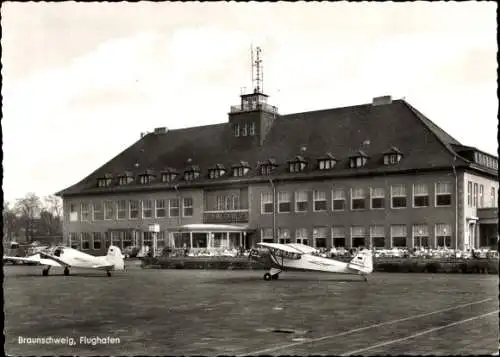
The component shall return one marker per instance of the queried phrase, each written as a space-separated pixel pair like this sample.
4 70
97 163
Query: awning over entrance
212 228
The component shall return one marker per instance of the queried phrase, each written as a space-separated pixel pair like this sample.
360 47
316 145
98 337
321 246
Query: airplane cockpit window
58 251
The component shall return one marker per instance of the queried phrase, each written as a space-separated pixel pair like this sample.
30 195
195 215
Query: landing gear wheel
108 273
45 272
275 277
267 276
66 271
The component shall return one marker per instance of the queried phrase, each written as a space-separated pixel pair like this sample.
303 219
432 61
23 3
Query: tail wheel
267 276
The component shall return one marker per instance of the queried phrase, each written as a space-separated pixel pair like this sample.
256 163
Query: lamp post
274 205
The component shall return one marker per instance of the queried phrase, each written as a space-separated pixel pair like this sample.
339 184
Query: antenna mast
257 80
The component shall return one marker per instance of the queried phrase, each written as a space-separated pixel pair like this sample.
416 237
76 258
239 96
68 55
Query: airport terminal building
379 174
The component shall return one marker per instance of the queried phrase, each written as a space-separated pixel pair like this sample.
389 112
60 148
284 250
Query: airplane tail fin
362 261
115 256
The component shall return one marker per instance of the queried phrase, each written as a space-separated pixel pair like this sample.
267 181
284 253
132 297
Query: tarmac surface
214 312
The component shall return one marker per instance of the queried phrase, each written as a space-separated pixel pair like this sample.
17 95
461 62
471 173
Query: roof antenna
257 63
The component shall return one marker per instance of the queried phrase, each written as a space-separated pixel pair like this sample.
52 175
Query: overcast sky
82 80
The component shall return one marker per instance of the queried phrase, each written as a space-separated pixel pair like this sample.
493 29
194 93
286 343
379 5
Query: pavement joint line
277 348
390 342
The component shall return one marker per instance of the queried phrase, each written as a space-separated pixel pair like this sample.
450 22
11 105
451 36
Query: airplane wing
37 259
283 247
306 249
48 257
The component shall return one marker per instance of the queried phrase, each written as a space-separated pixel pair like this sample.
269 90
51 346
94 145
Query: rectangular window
85 240
97 240
443 194
358 234
121 209
133 209
266 235
481 196
252 129
420 195
493 197
74 241
173 207
127 239
85 212
116 239
147 209
338 199
377 236
301 236
398 196
266 202
377 198
73 212
160 208
244 130
97 213
301 201
475 195
236 129
398 236
187 204
109 210
338 236
443 235
284 202
469 193
319 201
421 236
235 202
358 199
320 236
284 236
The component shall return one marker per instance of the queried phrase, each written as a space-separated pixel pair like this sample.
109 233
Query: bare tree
28 208
10 222
51 215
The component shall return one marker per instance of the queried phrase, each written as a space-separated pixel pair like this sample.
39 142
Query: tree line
30 217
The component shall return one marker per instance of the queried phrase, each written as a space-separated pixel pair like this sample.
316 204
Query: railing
233 216
256 106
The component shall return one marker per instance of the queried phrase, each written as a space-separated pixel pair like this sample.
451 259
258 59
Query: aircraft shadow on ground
58 276
281 280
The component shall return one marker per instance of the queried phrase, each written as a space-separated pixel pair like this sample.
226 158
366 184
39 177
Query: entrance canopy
213 228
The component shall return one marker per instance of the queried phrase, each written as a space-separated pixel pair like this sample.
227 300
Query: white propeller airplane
295 256
66 257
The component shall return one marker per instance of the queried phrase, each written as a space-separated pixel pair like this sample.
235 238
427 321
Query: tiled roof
338 133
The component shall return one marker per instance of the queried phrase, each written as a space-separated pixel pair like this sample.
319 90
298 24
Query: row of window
299 164
486 160
475 195
376 235
244 129
132 209
374 198
122 239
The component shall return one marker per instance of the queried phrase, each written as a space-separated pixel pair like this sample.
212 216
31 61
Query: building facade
378 174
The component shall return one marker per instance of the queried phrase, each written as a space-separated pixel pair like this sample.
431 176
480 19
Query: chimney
161 130
386 99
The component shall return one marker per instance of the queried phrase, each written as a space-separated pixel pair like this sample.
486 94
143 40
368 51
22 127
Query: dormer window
327 162
146 178
104 181
216 171
169 175
191 173
392 156
297 165
125 179
358 160
240 169
266 168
